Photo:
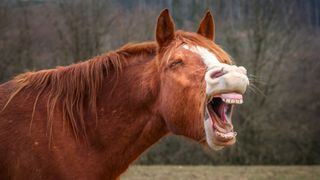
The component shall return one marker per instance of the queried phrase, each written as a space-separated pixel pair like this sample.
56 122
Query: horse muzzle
226 78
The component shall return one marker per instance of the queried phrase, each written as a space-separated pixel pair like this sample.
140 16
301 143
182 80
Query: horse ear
165 28
206 27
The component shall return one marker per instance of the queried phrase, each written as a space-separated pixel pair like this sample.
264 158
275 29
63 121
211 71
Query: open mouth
218 115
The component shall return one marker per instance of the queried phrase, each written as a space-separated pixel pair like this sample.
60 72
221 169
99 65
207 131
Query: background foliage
277 40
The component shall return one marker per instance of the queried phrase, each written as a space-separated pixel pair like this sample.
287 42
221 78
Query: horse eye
175 63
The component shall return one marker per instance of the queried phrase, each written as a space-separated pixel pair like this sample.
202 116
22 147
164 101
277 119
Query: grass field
223 172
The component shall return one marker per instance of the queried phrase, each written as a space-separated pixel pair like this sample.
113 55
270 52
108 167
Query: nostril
242 70
216 73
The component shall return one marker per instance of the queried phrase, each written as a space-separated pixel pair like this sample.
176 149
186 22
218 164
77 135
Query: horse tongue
231 96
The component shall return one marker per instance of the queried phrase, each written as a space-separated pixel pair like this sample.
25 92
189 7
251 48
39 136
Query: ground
222 172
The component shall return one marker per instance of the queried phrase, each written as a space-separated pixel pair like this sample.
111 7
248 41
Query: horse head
199 85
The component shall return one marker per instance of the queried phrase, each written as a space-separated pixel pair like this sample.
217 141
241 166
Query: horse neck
128 119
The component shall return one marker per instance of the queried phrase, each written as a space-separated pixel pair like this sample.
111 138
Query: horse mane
75 87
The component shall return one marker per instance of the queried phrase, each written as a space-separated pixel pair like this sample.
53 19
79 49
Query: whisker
252 75
256 79
258 90
252 80
253 90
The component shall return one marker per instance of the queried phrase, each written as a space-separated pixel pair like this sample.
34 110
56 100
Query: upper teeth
233 101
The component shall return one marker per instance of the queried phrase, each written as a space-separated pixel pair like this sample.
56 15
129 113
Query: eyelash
176 62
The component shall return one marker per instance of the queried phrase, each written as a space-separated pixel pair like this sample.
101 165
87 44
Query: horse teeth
233 101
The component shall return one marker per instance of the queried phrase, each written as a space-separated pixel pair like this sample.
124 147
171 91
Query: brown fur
92 119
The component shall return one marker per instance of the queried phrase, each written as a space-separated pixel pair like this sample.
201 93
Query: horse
92 119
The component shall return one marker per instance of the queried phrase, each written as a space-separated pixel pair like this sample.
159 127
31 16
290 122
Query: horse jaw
210 134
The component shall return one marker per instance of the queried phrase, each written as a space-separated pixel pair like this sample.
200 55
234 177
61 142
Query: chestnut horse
92 119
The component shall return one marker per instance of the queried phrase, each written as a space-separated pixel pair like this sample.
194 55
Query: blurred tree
3 39
82 25
15 39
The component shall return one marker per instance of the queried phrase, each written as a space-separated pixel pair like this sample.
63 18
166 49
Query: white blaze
208 58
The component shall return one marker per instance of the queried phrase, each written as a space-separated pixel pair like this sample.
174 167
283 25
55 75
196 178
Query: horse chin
218 125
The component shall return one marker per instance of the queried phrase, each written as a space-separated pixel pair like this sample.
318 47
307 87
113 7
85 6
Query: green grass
223 172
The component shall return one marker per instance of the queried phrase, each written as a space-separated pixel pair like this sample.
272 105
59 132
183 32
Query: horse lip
225 143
